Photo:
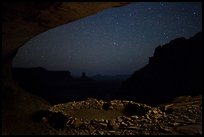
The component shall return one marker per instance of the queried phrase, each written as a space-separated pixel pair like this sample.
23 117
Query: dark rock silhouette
42 82
110 77
84 77
175 69
60 86
40 74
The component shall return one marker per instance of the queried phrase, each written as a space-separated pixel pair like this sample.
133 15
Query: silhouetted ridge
110 77
175 69
40 73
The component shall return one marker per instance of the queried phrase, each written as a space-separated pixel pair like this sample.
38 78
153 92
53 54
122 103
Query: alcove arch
22 21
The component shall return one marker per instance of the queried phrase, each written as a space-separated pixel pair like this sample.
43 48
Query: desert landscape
160 97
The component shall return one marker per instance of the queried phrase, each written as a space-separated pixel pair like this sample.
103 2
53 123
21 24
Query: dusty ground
23 113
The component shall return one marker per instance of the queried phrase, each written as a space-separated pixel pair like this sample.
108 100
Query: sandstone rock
125 101
176 124
132 127
77 123
118 106
113 125
123 124
106 121
147 116
92 130
106 106
130 123
112 122
127 118
151 122
102 120
101 132
103 124
69 122
112 131
86 122
94 122
145 120
119 119
134 117
86 103
111 107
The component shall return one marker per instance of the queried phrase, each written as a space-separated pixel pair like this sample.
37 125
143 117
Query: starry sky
115 41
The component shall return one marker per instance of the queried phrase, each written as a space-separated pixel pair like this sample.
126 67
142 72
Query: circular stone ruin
95 114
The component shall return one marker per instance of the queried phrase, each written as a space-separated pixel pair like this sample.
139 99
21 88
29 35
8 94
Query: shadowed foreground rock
18 108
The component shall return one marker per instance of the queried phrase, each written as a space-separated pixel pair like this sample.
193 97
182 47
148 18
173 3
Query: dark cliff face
40 74
40 81
175 69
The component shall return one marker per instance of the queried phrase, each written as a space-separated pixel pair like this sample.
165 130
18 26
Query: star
162 4
93 43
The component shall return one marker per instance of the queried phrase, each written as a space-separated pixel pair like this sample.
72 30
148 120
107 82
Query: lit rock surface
183 116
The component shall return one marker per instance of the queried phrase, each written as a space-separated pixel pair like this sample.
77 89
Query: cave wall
24 20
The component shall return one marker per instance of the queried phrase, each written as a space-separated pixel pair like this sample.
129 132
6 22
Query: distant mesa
175 69
84 77
38 74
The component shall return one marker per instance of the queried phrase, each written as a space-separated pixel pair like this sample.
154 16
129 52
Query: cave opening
91 58
68 61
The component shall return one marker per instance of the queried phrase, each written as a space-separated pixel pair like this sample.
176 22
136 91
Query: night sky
114 41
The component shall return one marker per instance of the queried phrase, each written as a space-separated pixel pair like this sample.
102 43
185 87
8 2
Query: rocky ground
183 116
25 114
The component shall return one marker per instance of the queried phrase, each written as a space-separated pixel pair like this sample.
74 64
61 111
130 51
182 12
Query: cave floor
182 116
